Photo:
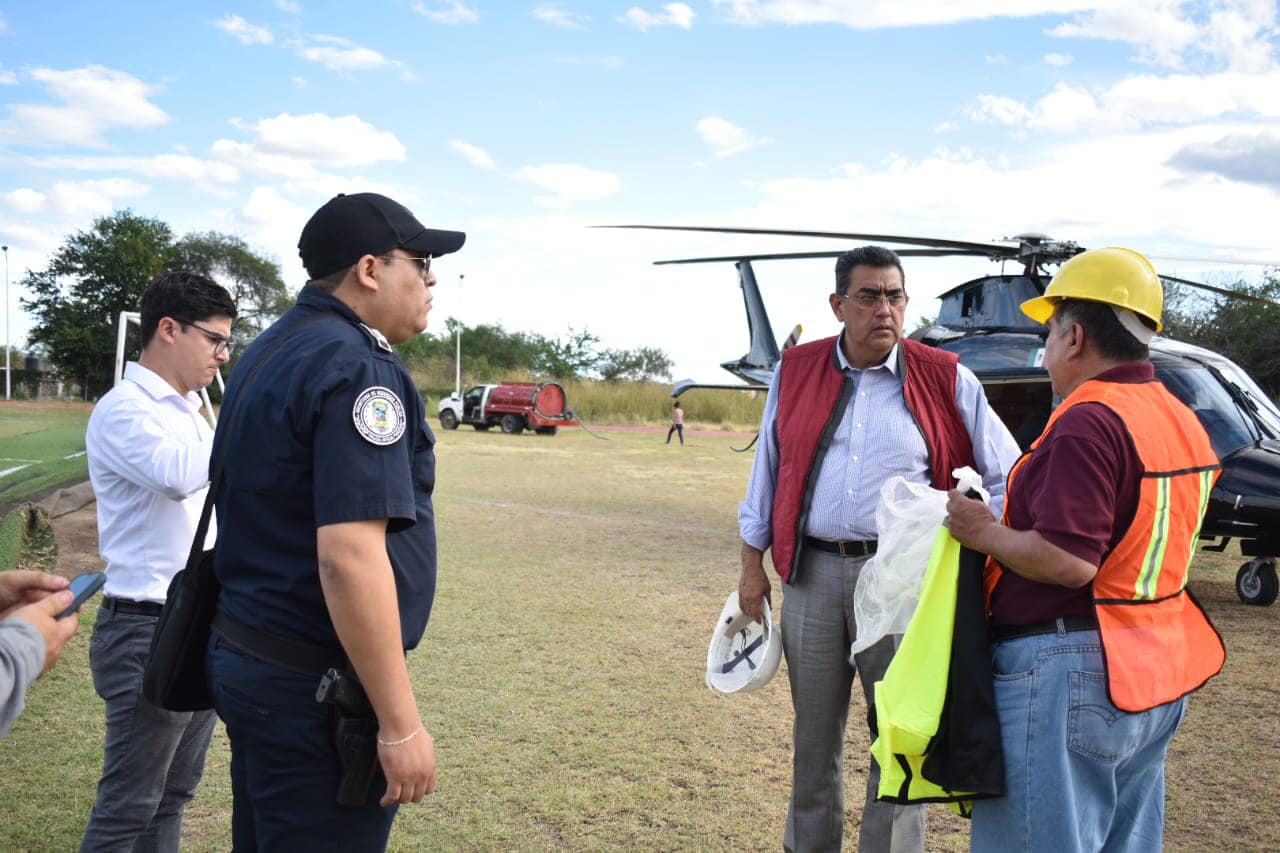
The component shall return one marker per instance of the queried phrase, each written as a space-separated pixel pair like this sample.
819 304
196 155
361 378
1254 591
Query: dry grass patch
561 676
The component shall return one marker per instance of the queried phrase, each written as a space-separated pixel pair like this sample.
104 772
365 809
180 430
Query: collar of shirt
890 363
316 299
156 387
1134 371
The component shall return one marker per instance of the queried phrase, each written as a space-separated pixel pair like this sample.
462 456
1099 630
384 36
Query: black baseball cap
349 227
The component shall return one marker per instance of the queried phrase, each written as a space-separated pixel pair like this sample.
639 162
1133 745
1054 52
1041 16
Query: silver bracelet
404 739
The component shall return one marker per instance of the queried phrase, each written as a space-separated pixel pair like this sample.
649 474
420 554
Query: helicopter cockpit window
1264 408
1223 417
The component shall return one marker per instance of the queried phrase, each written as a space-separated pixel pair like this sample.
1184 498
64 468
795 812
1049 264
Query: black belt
1049 626
845 547
127 605
293 655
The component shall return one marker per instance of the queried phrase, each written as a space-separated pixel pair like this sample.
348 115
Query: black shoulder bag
175 676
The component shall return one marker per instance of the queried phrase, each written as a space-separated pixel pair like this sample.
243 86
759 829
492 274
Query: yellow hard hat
1120 277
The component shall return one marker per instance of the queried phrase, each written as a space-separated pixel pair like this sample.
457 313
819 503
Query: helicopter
981 321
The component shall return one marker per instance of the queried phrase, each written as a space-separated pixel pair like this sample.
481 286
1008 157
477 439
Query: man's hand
18 588
44 616
753 583
410 768
970 521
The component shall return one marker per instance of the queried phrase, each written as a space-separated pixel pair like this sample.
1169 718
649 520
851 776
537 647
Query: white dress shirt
148 449
877 438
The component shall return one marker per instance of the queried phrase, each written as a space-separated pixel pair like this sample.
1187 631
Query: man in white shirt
148 448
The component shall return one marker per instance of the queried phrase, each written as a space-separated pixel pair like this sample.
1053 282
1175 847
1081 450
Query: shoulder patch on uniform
378 338
379 416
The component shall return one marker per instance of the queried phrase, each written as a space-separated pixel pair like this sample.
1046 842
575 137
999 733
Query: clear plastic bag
907 519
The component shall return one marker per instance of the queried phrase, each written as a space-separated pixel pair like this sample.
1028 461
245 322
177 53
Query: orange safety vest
1158 643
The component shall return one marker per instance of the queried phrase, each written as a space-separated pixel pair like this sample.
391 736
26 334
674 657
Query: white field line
7 471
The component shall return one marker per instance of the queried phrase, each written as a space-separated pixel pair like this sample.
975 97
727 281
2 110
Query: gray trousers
817 630
152 758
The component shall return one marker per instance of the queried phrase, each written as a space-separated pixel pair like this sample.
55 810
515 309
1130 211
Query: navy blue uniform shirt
331 429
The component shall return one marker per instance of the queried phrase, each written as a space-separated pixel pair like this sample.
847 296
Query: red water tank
541 403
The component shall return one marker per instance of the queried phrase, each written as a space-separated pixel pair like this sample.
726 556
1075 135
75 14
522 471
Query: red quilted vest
812 397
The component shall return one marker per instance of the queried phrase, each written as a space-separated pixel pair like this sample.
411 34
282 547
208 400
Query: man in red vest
845 414
1098 641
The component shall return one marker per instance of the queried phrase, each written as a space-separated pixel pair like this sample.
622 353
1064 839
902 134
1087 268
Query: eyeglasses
221 344
424 264
894 299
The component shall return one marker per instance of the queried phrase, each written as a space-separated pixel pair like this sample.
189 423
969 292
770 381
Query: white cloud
1159 29
73 199
1241 34
875 14
727 138
8 78
4 24
1059 60
447 12
559 17
475 155
167 167
245 156
1251 158
243 31
291 146
569 183
93 100
341 55
1138 100
289 6
300 82
996 59
672 14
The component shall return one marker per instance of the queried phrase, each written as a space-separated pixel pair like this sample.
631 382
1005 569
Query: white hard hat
744 654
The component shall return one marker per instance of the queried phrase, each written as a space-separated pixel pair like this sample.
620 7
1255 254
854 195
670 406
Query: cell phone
82 587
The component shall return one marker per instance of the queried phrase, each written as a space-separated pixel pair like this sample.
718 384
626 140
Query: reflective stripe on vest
1158 643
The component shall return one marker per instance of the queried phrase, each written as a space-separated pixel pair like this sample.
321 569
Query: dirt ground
77 535
1223 767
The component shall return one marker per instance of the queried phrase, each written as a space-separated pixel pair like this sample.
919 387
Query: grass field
562 677
40 446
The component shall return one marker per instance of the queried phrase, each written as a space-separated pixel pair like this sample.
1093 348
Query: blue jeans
152 758
1082 774
285 768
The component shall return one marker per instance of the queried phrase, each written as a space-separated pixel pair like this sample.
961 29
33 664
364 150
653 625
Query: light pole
457 356
7 369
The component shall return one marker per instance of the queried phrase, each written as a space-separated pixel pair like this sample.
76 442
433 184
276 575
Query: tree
643 364
1245 332
99 272
78 297
570 357
254 281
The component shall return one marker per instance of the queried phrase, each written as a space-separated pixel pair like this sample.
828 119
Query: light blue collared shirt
876 438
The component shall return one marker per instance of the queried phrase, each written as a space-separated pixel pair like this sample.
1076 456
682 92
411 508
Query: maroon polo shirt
1079 490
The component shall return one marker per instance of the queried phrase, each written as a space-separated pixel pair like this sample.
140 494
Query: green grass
40 447
10 540
562 678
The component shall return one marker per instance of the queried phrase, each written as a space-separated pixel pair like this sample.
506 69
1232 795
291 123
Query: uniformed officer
327 548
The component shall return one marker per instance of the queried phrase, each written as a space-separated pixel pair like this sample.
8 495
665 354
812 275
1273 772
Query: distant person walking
677 423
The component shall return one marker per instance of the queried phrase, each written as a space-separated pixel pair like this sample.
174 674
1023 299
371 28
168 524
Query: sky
1152 124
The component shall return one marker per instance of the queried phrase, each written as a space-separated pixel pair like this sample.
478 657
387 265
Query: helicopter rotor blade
835 253
993 250
1258 262
1235 294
